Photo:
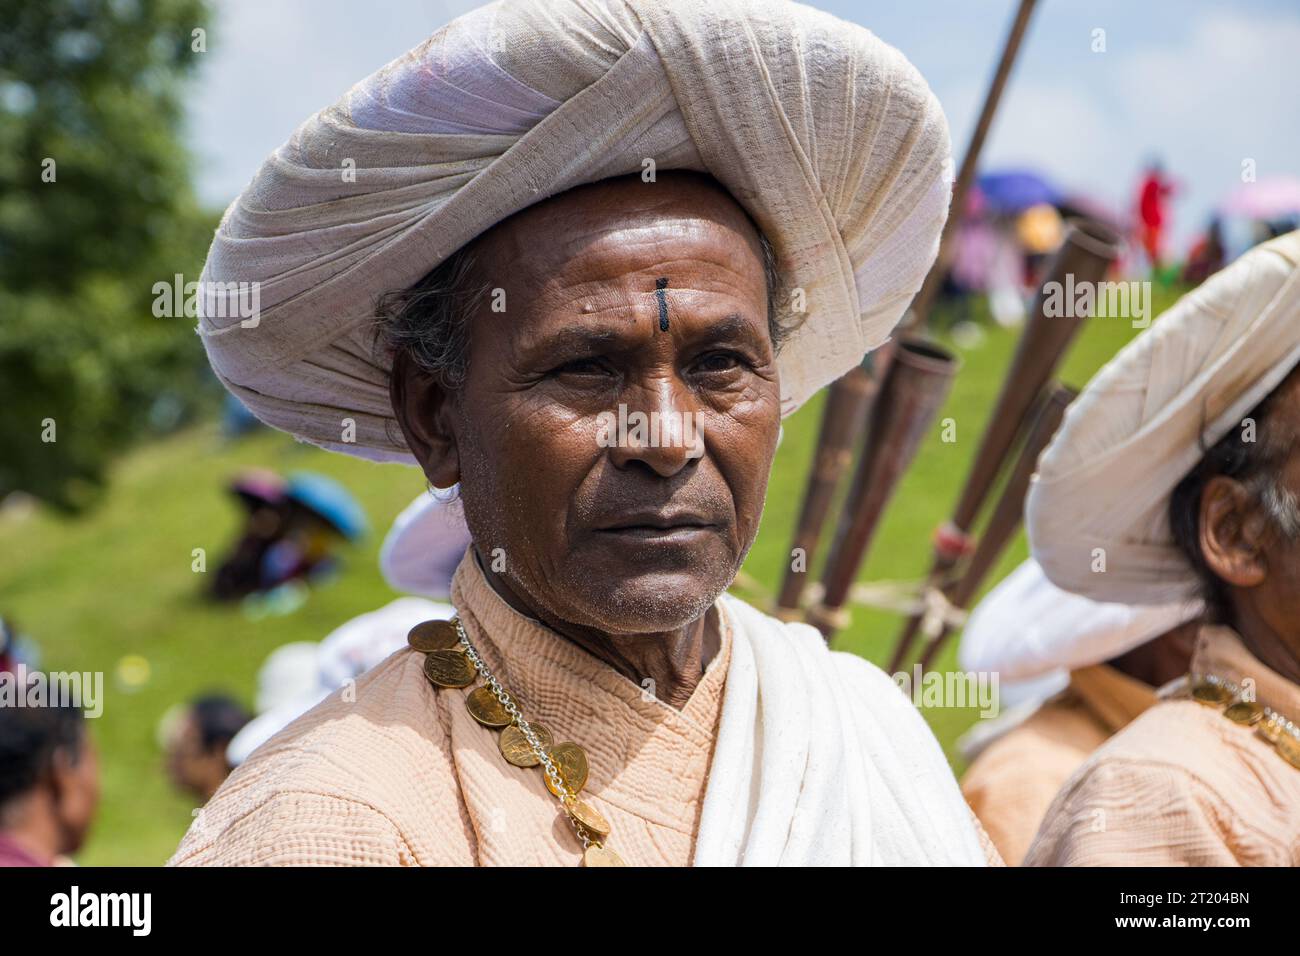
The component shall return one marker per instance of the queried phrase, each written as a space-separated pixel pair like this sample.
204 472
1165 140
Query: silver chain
534 742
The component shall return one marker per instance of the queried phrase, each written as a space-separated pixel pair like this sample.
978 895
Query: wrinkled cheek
539 463
745 454
750 509
1290 591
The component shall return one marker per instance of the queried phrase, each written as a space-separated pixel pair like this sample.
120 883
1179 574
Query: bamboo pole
913 389
1088 251
1007 514
921 305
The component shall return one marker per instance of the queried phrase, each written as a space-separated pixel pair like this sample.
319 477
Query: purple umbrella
1013 191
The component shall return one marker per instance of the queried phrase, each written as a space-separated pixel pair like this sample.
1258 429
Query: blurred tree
95 207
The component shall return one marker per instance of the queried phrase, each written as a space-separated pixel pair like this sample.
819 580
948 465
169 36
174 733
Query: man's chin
648 602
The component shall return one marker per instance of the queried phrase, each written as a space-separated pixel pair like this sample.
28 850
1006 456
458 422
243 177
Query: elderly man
568 217
1175 476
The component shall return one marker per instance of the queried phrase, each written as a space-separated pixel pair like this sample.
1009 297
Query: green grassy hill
118 581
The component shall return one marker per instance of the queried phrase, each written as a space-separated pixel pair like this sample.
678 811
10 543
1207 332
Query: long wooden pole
914 388
919 313
847 399
1088 251
1008 513
843 420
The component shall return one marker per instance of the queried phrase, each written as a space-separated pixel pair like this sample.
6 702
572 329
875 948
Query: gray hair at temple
430 320
1256 465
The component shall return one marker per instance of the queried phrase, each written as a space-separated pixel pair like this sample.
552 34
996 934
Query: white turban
1102 488
1027 627
828 137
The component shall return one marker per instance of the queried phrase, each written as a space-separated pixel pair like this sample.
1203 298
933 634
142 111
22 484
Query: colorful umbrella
328 499
1275 197
1013 191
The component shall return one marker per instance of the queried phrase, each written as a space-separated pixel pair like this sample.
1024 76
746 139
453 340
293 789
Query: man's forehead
580 261
571 247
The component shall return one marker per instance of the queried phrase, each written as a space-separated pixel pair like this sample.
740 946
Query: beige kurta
1182 784
400 773
1013 781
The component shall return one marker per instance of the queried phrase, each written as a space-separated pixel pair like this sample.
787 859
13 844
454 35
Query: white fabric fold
1027 626
822 761
425 544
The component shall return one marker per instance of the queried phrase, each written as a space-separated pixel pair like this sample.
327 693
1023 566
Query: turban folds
827 136
1103 485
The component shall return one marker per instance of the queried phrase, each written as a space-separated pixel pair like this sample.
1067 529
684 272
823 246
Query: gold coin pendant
600 856
514 745
1245 712
434 636
449 668
571 761
486 709
589 818
1210 694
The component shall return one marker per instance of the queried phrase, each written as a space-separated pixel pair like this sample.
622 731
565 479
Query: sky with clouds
1203 85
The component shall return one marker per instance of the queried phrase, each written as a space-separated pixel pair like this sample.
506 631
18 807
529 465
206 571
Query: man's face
1278 595
1252 545
191 766
622 300
78 793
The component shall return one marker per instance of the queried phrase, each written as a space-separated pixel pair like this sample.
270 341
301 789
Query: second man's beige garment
1182 784
404 775
1013 781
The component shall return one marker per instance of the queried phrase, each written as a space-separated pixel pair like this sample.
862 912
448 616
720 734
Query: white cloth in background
348 652
424 545
1027 627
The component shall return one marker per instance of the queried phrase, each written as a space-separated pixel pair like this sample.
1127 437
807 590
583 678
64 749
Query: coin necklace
1274 728
450 660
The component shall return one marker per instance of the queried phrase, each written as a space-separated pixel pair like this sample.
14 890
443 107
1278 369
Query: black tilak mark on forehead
660 285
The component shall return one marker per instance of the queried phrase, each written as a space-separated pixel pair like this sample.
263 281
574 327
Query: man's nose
658 429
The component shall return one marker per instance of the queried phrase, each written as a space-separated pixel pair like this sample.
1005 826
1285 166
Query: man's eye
719 362
585 366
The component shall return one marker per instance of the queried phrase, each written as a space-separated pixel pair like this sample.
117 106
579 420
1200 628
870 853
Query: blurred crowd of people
49 766
1015 219
290 530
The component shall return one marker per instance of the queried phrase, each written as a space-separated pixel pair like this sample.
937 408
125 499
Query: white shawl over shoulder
822 761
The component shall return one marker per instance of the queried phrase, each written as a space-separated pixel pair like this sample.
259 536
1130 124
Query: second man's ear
1232 532
423 409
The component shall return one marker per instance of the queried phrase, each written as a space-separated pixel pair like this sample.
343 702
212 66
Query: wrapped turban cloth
829 139
1147 418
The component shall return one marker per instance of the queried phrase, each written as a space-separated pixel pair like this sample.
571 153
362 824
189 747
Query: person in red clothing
1153 195
49 784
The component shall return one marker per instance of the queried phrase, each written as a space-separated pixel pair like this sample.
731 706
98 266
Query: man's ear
424 410
1233 528
62 773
